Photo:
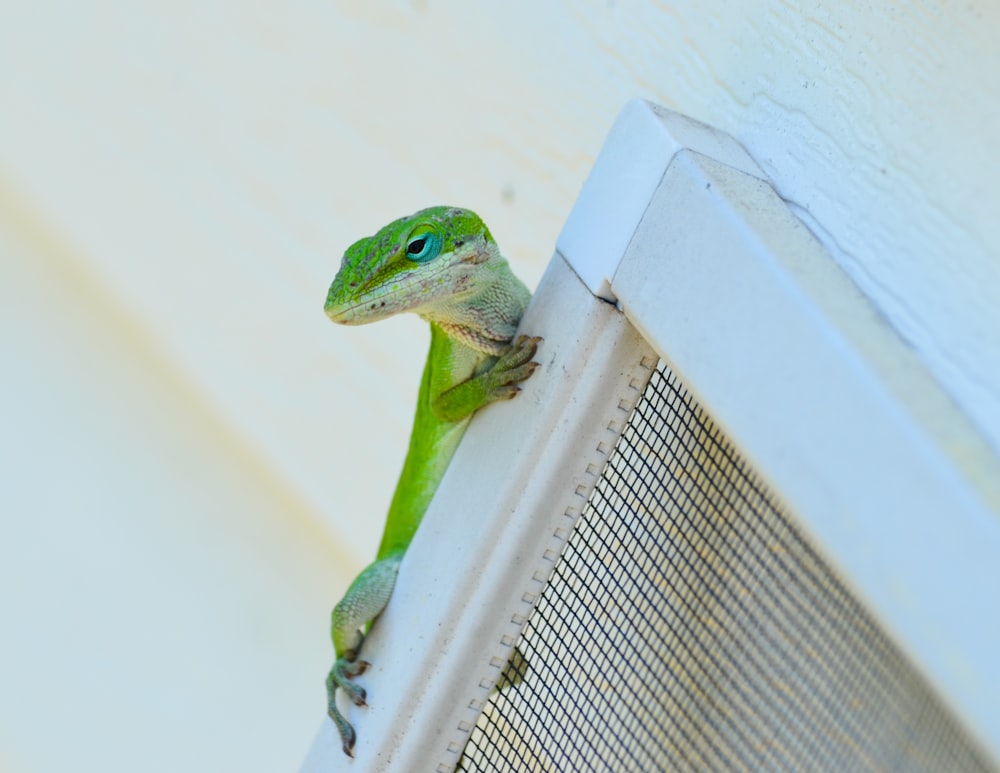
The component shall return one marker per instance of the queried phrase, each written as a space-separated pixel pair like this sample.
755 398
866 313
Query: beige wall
197 461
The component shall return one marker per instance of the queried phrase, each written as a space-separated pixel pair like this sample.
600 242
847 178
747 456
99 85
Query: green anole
442 264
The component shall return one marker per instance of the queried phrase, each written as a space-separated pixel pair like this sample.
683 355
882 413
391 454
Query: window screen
689 626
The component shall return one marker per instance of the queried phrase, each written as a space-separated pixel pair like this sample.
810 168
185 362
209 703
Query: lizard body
442 264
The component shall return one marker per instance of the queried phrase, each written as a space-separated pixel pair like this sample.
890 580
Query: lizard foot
342 675
514 366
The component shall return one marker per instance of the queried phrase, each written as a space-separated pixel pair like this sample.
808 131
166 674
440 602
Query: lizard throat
475 339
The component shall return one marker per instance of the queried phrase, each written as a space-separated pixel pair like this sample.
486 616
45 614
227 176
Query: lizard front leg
499 382
364 601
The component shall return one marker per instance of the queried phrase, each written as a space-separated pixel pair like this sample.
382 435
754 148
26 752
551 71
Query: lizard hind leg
364 601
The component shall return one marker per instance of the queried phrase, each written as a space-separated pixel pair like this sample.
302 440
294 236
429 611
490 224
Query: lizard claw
521 351
357 668
514 366
342 675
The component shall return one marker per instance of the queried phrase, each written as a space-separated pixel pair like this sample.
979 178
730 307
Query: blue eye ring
423 247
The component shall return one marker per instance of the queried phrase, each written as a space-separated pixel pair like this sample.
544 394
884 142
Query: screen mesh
689 626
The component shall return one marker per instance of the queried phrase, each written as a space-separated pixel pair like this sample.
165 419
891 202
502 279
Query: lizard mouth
401 294
356 310
353 313
370 309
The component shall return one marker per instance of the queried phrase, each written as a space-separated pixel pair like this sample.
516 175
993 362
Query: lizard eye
423 247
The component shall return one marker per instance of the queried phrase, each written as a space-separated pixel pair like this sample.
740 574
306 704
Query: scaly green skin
442 264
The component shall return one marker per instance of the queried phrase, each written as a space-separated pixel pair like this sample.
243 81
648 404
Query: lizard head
418 263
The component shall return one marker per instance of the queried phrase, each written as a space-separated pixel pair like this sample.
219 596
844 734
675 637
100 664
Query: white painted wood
625 176
163 592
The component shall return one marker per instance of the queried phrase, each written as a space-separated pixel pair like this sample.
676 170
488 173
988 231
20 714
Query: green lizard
442 264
